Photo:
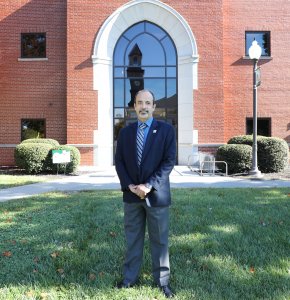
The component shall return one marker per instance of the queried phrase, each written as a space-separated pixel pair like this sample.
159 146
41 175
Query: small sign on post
258 76
60 157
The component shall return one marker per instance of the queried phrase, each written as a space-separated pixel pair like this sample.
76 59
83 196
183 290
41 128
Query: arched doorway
177 28
144 57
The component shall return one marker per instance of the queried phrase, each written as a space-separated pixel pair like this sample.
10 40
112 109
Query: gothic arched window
144 57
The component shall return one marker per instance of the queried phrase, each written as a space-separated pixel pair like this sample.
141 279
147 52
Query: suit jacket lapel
132 141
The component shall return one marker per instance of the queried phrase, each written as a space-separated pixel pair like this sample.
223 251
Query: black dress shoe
167 291
122 285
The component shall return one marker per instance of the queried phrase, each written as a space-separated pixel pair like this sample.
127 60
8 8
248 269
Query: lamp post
255 52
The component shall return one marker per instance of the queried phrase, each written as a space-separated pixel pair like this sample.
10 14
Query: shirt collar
148 122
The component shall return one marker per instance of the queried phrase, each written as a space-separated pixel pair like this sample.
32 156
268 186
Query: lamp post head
255 51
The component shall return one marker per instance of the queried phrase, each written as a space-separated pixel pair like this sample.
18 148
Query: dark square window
32 129
33 45
263 126
263 39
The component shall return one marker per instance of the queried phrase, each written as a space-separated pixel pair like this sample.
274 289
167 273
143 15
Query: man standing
145 156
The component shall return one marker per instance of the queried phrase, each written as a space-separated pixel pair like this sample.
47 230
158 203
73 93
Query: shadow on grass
225 244
232 243
57 238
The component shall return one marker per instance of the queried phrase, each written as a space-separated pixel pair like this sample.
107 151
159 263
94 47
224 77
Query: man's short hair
145 90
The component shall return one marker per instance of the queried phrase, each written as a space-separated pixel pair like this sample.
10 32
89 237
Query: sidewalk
94 179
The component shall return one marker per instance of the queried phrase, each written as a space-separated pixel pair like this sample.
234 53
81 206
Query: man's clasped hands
140 190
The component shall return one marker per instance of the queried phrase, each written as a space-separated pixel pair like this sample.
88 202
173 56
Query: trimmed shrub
238 158
35 156
71 167
52 142
273 153
31 156
242 139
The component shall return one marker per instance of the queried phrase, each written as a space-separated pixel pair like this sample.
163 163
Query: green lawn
8 181
225 244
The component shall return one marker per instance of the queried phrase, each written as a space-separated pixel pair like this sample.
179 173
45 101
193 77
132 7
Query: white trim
33 59
83 145
247 57
209 145
176 26
8 145
75 145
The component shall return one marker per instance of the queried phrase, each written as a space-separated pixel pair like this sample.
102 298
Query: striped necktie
140 142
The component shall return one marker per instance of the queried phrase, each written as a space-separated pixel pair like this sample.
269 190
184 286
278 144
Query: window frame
123 112
166 65
268 32
32 119
250 119
23 56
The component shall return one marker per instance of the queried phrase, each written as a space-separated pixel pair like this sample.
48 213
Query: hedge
32 156
243 139
273 155
35 156
52 142
273 152
238 158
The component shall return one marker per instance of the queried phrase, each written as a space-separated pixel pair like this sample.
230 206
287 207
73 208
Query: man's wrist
148 186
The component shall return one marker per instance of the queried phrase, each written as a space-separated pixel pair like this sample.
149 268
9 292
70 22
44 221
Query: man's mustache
143 110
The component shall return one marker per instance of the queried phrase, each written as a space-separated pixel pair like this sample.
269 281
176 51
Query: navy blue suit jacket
158 160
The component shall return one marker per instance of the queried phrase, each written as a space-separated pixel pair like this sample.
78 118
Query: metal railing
204 163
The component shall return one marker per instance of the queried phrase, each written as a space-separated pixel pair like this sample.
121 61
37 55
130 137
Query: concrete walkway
94 179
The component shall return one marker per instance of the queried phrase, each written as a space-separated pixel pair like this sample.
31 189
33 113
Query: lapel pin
154 131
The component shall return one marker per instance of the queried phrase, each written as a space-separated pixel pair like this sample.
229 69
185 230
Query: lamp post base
256 173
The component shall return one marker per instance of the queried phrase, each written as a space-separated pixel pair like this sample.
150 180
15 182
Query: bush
71 167
273 153
52 142
35 156
242 140
238 157
32 156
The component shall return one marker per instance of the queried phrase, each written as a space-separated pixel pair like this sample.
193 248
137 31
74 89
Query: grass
224 244
8 181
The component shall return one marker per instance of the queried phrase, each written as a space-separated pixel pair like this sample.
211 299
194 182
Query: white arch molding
175 25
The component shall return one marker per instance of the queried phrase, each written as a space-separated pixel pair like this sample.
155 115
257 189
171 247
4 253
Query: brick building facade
72 89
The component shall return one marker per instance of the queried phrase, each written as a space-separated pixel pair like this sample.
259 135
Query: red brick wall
7 156
224 96
274 92
61 89
86 156
84 20
206 20
32 89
